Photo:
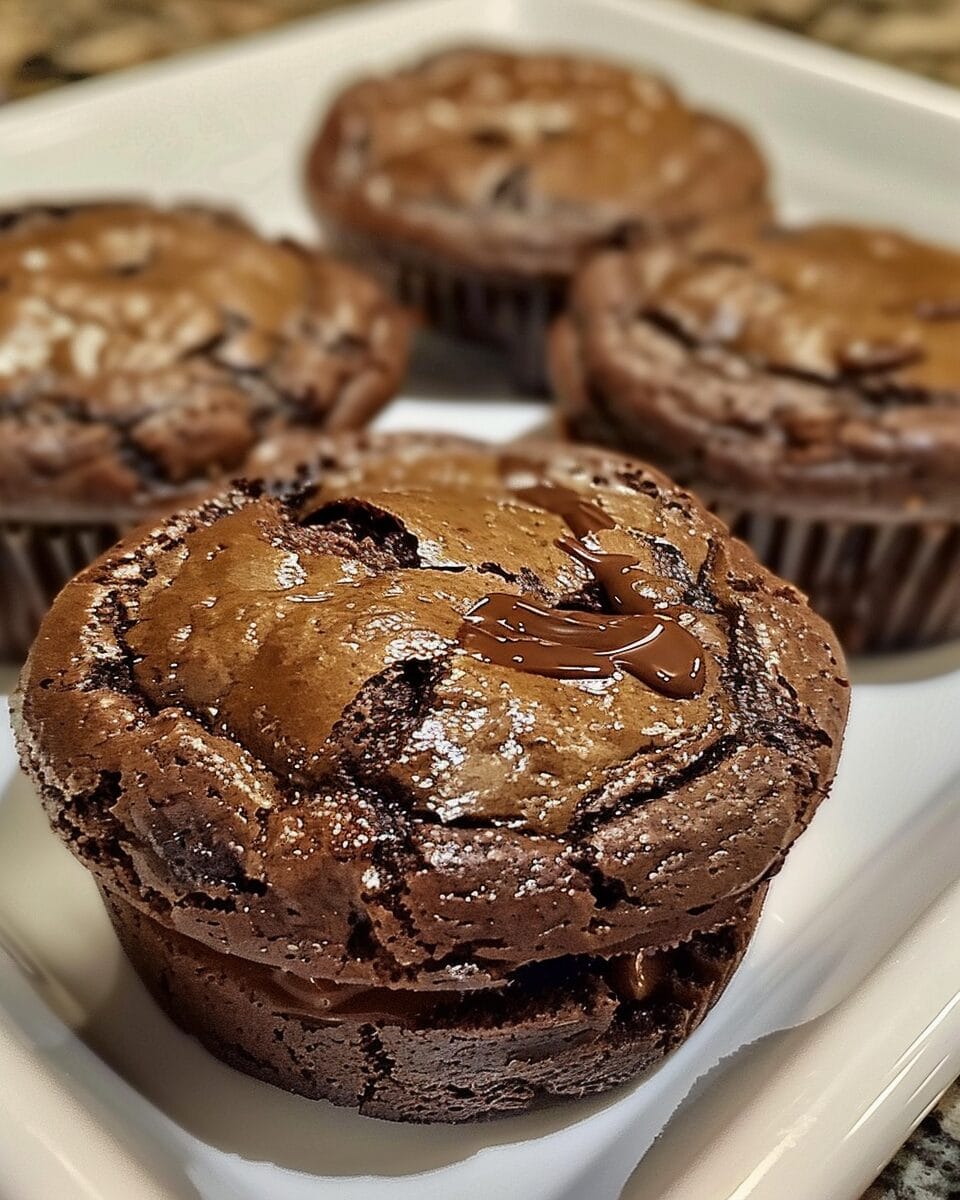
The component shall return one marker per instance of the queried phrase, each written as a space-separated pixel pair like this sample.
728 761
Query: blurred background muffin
804 382
475 181
146 352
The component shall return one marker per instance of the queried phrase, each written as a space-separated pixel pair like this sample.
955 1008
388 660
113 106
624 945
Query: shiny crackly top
143 348
279 630
537 150
826 301
266 724
817 364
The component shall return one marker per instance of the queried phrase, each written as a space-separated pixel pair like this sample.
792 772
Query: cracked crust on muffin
813 370
145 351
256 723
519 163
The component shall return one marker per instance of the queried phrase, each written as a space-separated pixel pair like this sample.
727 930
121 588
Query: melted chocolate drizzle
582 515
619 575
644 637
512 631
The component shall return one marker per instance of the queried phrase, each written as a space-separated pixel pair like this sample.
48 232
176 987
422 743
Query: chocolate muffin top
813 362
520 162
448 712
144 351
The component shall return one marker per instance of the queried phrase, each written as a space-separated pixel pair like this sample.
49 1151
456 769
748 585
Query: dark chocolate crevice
362 521
374 727
867 386
103 851
379 1062
592 812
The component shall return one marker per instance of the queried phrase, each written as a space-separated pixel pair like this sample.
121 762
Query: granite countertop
45 43
916 35
928 1166
48 42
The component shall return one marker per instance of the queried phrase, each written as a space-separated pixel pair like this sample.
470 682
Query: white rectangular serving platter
100 1097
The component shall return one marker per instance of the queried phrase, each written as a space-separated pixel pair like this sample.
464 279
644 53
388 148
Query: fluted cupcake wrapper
36 560
883 585
512 312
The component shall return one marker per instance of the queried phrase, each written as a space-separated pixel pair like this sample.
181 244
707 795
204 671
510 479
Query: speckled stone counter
917 35
45 43
48 42
928 1166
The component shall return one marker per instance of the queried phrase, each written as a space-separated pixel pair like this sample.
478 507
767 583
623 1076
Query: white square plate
99 1096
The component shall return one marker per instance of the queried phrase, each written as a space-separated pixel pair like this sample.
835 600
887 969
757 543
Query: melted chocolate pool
643 637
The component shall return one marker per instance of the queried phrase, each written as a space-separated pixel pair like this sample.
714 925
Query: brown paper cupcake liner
512 312
36 560
883 585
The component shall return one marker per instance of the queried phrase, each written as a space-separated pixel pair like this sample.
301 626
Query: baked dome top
307 736
821 360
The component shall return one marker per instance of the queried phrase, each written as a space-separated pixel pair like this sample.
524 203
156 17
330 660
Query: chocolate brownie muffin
474 182
144 352
457 732
806 383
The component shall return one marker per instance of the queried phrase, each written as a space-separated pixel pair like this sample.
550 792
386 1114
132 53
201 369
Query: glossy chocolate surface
649 642
787 370
259 723
567 644
825 301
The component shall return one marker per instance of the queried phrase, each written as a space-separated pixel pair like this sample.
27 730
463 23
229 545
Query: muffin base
558 1033
36 560
513 312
